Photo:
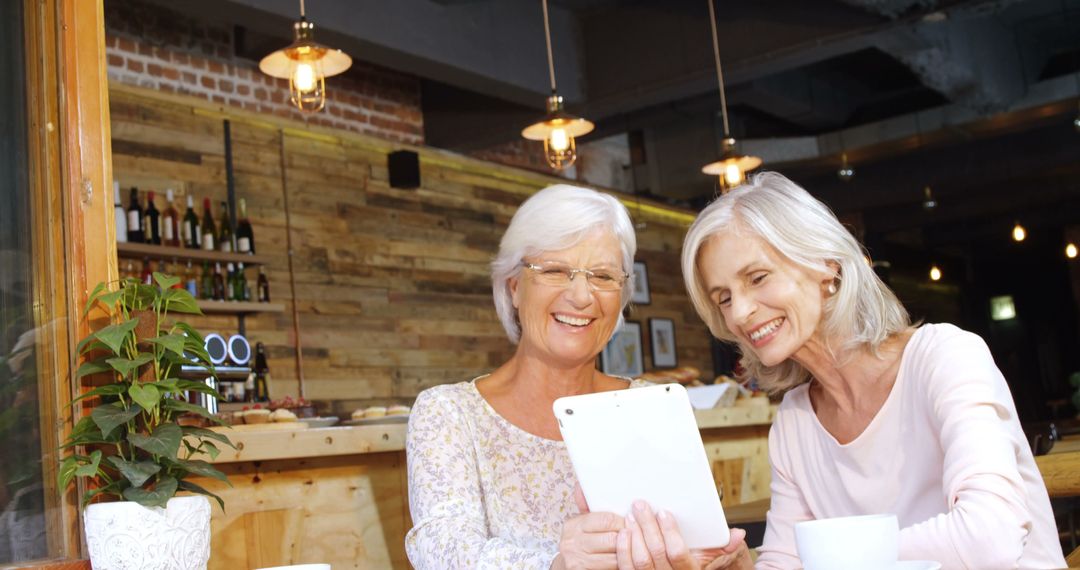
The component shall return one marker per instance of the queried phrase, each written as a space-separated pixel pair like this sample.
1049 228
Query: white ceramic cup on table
849 543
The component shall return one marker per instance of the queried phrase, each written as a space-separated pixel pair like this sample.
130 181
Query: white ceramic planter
129 536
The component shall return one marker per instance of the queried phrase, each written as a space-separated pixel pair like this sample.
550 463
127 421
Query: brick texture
153 47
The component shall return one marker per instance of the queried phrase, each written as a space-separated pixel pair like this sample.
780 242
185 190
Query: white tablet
644 443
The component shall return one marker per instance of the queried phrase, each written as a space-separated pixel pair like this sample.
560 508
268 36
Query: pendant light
306 64
1018 232
557 129
935 273
929 203
846 172
1070 250
732 167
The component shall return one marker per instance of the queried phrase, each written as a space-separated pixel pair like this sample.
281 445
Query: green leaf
189 486
193 335
113 335
110 300
167 386
93 297
171 342
90 343
106 390
181 301
145 395
192 386
126 365
110 489
111 416
67 471
90 469
182 407
164 490
135 473
204 433
165 282
164 441
202 469
93 367
210 449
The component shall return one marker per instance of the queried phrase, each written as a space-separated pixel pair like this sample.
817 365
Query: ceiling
973 97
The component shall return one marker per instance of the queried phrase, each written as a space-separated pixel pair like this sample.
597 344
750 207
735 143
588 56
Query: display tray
404 419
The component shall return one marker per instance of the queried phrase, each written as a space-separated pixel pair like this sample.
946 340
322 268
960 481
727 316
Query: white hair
556 218
861 315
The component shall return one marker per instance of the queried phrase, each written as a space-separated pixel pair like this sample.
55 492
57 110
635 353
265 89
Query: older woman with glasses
490 481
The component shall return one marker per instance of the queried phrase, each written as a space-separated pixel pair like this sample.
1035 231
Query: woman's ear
831 280
512 283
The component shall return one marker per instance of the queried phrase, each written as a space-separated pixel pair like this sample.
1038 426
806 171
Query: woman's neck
849 381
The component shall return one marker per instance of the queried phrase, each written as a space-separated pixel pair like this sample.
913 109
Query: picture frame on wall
641 295
662 343
623 354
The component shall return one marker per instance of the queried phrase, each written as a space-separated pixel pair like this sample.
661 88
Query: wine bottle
152 221
121 215
262 375
209 231
191 280
225 237
219 283
134 218
192 233
245 236
169 234
207 291
263 286
243 290
147 275
230 282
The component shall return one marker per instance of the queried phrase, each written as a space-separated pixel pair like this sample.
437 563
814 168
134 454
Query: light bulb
304 77
1070 251
733 175
929 203
846 172
1019 233
935 273
559 140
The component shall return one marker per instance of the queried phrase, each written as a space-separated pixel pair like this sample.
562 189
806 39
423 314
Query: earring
832 288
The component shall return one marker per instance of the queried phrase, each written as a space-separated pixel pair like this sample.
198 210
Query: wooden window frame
73 231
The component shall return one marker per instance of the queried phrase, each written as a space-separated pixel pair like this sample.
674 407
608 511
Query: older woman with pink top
878 416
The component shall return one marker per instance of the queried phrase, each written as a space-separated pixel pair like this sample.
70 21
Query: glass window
22 498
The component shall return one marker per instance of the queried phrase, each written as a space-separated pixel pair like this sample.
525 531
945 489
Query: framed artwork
641 294
662 342
623 355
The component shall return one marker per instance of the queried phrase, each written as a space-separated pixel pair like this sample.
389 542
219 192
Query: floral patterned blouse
483 492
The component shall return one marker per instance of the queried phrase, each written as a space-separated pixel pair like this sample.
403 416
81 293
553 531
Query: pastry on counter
374 412
257 416
398 410
282 415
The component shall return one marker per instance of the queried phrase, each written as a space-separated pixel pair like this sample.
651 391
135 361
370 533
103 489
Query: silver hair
861 315
556 218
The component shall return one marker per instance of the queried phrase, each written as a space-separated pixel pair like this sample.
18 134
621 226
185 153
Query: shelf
238 307
226 373
129 250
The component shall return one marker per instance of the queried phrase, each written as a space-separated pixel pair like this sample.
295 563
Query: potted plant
132 446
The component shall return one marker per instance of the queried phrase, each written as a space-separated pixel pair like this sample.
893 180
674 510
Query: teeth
765 330
575 321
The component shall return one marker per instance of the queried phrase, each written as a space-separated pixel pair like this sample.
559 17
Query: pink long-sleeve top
945 453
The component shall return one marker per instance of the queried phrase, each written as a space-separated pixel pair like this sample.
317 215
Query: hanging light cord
302 14
547 36
719 70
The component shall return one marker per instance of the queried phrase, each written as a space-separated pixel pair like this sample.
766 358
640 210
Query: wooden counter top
263 445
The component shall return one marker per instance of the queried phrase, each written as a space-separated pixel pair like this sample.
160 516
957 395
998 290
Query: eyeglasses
558 274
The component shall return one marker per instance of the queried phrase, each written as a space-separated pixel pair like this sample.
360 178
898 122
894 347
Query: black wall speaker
404 167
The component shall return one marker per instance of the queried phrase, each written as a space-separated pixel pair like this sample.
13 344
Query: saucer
917 565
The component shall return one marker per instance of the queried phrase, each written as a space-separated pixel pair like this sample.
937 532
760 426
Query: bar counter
339 494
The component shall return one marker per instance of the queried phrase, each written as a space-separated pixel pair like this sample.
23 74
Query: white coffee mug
849 543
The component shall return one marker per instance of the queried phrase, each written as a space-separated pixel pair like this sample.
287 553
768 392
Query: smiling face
569 326
771 305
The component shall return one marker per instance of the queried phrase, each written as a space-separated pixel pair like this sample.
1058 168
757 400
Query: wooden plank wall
392 285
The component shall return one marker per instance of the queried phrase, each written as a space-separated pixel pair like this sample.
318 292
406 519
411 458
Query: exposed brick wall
151 46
